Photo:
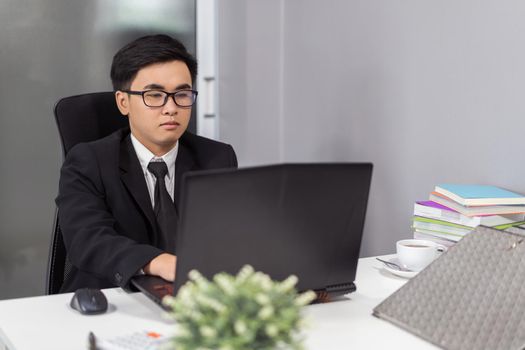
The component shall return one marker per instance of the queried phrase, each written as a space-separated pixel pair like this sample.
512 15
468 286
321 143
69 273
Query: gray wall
250 72
52 49
429 91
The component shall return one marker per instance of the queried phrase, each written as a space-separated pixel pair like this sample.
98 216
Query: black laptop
301 219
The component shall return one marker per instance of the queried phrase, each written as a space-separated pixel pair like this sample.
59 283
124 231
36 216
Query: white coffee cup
416 254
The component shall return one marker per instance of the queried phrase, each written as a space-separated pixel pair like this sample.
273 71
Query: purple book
434 205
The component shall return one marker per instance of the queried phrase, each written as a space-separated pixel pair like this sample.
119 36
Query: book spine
446 215
478 210
441 228
506 226
450 195
449 237
439 240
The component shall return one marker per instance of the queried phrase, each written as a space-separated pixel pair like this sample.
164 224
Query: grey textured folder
472 297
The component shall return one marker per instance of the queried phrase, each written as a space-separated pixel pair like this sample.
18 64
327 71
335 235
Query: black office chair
80 118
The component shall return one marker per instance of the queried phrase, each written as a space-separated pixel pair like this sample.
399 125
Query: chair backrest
80 118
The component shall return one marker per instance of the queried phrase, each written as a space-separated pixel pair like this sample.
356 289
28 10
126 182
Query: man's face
157 128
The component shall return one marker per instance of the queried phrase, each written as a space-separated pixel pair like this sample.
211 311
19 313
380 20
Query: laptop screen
302 219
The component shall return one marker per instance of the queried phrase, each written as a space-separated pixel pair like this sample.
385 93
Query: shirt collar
146 156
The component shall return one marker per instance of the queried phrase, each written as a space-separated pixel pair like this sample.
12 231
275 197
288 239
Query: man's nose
170 107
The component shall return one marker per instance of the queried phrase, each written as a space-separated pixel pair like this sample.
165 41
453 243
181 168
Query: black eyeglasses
158 98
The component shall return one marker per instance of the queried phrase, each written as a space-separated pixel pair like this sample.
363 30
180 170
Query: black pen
92 341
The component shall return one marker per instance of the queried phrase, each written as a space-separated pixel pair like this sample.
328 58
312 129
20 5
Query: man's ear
122 100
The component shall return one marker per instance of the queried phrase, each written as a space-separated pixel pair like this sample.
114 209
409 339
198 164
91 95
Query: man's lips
169 125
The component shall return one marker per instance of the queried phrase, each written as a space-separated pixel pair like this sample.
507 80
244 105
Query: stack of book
455 210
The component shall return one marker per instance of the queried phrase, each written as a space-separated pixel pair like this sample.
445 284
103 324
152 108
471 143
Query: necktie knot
159 169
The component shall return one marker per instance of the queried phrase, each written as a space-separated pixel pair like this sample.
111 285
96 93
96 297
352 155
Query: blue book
479 195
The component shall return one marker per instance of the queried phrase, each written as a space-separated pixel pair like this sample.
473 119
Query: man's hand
163 266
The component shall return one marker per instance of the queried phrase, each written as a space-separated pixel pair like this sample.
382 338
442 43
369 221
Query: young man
118 195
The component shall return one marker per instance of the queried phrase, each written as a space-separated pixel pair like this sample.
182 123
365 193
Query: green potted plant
246 311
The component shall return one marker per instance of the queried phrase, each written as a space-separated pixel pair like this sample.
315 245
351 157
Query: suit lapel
133 178
183 164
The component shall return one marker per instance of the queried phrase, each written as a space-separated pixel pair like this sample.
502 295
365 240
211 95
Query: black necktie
164 208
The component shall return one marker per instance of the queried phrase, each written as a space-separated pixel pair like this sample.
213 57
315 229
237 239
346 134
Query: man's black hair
145 51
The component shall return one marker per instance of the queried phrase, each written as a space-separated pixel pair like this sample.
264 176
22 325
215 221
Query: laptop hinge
343 288
324 295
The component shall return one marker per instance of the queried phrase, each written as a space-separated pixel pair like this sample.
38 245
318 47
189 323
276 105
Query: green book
440 222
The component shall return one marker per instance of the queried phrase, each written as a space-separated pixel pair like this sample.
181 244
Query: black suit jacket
105 211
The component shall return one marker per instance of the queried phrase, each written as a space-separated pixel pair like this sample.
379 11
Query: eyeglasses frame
168 95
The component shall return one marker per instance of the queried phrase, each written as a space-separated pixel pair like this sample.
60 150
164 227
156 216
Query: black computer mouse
89 301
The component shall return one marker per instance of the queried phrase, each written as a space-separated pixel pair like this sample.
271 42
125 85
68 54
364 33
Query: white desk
47 322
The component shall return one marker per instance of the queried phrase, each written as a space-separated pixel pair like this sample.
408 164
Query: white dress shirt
145 157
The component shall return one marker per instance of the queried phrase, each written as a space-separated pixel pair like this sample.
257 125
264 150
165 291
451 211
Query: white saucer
404 274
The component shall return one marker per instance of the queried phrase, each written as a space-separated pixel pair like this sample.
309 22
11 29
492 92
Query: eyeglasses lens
156 98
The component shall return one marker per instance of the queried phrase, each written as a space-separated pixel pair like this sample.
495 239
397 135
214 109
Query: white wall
429 91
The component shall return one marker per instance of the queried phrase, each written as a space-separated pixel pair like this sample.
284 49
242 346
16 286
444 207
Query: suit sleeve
88 227
233 157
